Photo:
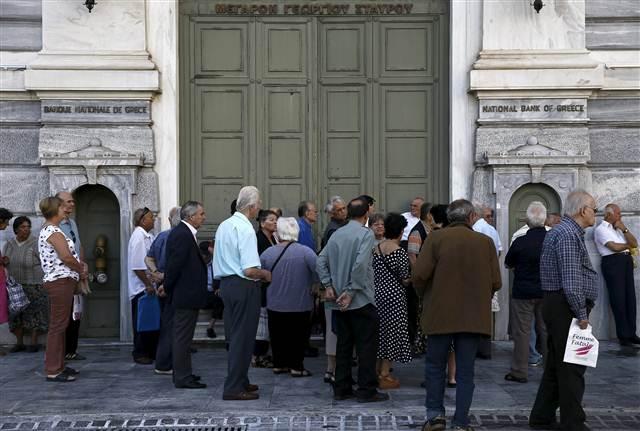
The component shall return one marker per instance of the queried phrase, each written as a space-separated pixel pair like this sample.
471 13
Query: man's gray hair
174 216
249 196
536 214
288 229
576 200
479 208
328 208
188 209
459 211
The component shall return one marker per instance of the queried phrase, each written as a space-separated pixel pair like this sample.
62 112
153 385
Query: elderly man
569 286
345 271
307 216
144 343
526 296
186 287
455 276
413 217
156 261
337 210
613 240
237 265
70 229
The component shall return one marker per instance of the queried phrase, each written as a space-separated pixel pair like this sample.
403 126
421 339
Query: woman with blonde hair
62 270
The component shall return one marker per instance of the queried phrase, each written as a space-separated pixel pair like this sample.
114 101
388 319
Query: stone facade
548 98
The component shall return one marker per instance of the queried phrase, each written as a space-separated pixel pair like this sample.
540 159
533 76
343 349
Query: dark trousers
145 343
617 270
438 346
241 299
71 334
289 335
357 327
184 325
163 353
521 316
60 300
562 383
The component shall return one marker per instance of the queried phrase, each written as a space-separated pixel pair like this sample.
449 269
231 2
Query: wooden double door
311 107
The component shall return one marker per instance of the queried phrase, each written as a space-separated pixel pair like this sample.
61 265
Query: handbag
18 300
148 313
582 346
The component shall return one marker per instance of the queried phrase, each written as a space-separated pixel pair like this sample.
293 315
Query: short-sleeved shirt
411 223
139 245
70 229
604 233
290 288
236 247
52 266
158 250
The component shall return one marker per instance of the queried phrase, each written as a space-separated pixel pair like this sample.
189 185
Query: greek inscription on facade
314 9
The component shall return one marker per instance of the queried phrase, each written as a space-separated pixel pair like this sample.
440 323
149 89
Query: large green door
308 107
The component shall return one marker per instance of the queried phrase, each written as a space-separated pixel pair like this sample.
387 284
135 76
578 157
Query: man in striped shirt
568 282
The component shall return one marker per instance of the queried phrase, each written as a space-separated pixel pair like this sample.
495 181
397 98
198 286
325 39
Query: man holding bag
568 282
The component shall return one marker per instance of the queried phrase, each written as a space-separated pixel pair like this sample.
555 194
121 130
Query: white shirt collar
144 232
193 230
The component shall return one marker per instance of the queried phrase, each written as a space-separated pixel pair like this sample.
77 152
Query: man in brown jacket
456 275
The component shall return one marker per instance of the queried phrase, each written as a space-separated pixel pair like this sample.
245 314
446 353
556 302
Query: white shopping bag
582 346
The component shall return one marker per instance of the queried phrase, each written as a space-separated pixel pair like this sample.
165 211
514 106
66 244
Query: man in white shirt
613 241
412 217
144 343
481 225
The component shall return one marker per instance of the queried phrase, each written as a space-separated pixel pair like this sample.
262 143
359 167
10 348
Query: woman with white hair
289 298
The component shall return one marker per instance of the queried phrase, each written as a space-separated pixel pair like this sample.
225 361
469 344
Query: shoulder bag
18 300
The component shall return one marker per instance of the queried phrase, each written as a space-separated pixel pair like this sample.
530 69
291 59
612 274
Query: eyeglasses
594 209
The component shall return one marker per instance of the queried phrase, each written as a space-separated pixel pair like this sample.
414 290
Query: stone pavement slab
112 392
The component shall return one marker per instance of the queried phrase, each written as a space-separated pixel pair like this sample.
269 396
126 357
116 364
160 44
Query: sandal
74 357
61 377
70 371
280 370
300 373
511 378
329 377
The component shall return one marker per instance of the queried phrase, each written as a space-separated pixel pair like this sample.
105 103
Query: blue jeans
534 355
466 346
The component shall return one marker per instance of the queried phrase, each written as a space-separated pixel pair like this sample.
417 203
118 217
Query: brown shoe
242 396
252 388
388 382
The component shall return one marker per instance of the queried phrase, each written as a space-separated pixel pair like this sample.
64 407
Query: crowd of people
392 288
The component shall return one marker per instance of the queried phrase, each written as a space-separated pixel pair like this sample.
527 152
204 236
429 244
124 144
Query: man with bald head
70 229
614 241
569 288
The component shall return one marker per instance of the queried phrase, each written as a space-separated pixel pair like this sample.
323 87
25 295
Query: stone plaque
524 110
96 111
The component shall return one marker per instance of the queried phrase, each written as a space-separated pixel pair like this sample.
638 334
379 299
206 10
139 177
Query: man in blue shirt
308 214
156 261
569 286
237 265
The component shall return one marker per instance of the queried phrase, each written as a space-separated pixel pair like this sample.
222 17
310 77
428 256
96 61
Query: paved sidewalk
114 393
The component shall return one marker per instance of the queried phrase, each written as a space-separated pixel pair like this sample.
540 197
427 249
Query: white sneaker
163 372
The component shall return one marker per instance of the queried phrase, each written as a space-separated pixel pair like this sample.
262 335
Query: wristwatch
625 230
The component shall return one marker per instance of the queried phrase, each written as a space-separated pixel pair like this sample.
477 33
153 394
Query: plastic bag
582 346
148 313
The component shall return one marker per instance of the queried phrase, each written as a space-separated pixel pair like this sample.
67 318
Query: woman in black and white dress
391 275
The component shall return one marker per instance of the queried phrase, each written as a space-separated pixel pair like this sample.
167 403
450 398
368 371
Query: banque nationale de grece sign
314 9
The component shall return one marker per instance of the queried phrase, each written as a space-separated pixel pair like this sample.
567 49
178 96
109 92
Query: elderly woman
391 275
376 223
289 298
5 216
266 238
24 266
62 270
